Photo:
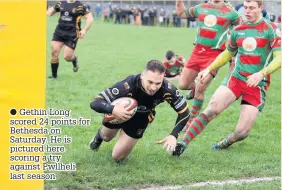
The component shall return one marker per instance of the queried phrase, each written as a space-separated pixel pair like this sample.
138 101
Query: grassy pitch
108 54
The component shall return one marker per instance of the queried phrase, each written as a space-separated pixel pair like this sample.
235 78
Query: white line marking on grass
212 183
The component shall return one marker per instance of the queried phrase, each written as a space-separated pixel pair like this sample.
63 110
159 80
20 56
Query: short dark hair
155 65
169 54
260 2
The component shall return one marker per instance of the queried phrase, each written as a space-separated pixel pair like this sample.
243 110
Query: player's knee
118 157
182 86
55 54
106 138
68 57
212 110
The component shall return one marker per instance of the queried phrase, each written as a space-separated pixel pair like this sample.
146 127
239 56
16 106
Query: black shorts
136 126
66 38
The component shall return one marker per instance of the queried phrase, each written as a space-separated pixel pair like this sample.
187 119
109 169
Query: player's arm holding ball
102 103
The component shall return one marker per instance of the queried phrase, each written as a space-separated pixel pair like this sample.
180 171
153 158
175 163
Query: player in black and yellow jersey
149 89
68 31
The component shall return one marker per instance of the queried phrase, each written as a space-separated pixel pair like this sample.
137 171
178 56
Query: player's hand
120 113
169 143
82 34
254 79
203 74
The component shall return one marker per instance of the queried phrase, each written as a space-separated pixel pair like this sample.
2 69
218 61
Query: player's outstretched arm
274 65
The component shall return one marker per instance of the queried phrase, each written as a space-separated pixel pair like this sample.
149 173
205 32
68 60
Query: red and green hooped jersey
255 44
174 69
213 25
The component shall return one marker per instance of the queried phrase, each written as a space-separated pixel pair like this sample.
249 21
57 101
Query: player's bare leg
123 146
191 95
186 78
103 134
198 100
56 49
70 57
221 99
248 115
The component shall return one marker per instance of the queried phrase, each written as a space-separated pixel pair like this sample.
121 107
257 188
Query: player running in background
256 41
173 67
68 31
149 89
215 18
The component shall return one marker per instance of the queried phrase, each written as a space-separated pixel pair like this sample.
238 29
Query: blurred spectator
166 18
174 15
161 17
145 20
98 10
106 14
151 17
155 15
176 20
138 17
131 15
124 13
147 16
111 13
117 12
192 23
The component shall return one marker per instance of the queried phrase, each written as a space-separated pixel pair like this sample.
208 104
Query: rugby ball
130 104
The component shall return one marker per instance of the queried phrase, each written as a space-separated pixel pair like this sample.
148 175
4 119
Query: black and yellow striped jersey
70 15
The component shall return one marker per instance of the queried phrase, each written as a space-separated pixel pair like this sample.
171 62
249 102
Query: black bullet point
13 112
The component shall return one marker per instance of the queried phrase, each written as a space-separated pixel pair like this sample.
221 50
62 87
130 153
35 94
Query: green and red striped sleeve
236 19
192 12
